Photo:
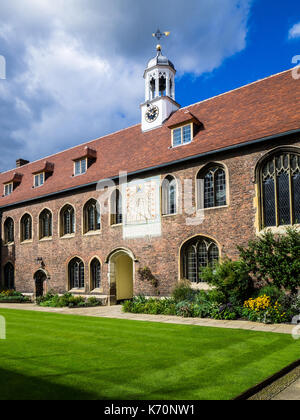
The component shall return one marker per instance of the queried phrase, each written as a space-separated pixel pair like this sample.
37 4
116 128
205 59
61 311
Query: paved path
116 312
291 393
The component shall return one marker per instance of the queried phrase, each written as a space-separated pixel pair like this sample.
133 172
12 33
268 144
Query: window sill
170 215
46 239
181 145
77 291
201 286
115 226
214 208
9 243
68 236
92 233
280 230
97 291
29 241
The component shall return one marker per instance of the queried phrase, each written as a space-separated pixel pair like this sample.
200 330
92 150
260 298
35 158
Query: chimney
21 162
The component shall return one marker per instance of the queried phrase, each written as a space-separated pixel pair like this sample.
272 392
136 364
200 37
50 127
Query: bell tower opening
159 90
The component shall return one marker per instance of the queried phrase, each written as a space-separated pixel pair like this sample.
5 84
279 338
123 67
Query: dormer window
8 189
80 167
182 135
43 170
39 180
12 181
83 160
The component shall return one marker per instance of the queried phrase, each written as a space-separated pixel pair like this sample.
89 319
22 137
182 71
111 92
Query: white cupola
159 92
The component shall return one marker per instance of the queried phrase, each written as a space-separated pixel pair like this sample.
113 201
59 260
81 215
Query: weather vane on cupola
159 35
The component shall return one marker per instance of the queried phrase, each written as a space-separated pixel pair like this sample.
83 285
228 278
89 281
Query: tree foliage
274 259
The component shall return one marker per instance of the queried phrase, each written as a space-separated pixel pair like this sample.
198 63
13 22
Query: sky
74 68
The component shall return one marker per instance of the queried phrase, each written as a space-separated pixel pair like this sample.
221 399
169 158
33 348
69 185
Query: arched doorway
40 279
121 271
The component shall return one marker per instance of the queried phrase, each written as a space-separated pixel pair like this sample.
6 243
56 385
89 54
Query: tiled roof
265 108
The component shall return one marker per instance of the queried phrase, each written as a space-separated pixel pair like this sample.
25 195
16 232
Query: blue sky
74 68
269 50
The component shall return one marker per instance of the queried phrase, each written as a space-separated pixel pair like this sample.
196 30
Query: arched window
169 196
9 230
67 220
92 217
197 254
116 208
95 274
280 189
211 187
76 274
9 277
45 224
26 228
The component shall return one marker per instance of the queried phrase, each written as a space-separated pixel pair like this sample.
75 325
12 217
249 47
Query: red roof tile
265 108
179 118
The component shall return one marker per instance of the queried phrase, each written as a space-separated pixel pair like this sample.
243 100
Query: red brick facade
229 226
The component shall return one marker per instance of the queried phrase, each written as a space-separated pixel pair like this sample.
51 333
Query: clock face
151 114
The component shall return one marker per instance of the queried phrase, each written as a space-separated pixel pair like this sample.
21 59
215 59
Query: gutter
163 165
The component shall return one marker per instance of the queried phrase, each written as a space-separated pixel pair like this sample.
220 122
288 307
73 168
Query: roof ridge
233 90
71 148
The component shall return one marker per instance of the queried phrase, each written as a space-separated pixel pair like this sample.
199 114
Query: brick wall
229 226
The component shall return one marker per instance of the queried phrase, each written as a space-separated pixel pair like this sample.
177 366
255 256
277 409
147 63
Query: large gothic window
95 274
45 221
9 230
212 187
116 208
26 228
92 218
67 220
76 274
280 190
9 277
169 196
198 254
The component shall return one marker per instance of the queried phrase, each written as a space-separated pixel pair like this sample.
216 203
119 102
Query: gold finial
158 47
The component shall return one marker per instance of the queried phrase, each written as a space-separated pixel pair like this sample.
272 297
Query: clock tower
159 92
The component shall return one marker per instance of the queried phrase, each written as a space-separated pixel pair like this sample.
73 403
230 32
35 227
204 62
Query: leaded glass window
76 274
26 228
198 254
116 208
280 190
9 277
9 230
96 274
182 135
169 196
92 218
68 220
45 224
212 184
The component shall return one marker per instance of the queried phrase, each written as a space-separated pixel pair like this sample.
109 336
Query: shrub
274 259
272 291
183 292
231 280
67 300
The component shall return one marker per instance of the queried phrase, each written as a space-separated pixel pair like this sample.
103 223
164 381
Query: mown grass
52 356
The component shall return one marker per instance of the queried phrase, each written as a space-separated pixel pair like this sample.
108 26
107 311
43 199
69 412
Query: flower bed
11 296
67 300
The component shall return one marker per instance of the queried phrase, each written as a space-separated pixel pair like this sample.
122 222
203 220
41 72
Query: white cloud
294 32
75 68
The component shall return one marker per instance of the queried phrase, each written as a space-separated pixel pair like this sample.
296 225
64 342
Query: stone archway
121 273
40 279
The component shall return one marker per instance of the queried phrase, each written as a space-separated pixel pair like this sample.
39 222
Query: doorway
121 276
40 280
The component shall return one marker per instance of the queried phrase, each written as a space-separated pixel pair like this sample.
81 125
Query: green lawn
51 356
